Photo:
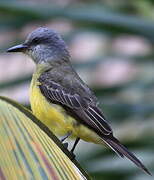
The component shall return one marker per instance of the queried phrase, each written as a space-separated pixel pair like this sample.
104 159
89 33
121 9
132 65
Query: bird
61 99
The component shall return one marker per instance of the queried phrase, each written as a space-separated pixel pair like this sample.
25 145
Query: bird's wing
79 107
82 109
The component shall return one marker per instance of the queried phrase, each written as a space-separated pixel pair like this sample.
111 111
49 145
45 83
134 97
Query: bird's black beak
18 48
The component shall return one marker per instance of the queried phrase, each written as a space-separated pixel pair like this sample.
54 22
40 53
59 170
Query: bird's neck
52 64
59 62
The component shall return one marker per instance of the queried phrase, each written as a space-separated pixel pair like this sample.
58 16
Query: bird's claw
65 145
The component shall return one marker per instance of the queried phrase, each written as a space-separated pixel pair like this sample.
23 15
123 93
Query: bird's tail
122 151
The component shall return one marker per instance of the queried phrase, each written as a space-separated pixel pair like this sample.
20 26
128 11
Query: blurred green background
111 43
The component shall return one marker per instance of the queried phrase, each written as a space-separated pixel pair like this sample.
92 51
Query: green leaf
29 150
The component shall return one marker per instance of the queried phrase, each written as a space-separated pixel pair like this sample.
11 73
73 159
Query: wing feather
94 121
99 117
62 98
83 109
79 106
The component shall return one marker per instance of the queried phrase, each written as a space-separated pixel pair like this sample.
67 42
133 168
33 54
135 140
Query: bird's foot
66 136
71 152
65 145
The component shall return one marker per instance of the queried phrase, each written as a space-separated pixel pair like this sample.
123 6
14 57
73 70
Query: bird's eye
35 40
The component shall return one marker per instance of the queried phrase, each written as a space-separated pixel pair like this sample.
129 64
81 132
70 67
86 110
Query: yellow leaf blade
27 152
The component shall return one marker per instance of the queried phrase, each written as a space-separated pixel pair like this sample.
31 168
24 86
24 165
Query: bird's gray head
43 45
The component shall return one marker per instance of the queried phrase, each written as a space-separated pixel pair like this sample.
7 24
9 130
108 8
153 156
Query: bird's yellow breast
56 118
53 115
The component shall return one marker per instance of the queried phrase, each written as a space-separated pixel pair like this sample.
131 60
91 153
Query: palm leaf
29 150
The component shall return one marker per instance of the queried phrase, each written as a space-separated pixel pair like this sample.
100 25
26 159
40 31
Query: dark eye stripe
36 40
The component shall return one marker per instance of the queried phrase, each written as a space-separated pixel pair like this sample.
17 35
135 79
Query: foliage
29 150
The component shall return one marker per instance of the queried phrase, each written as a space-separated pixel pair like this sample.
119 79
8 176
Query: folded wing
78 106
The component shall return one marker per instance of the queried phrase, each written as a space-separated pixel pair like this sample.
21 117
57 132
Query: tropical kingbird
60 99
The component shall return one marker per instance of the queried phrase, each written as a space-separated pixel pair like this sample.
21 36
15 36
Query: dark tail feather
121 150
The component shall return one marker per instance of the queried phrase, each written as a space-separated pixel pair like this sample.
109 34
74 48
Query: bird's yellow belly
56 118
